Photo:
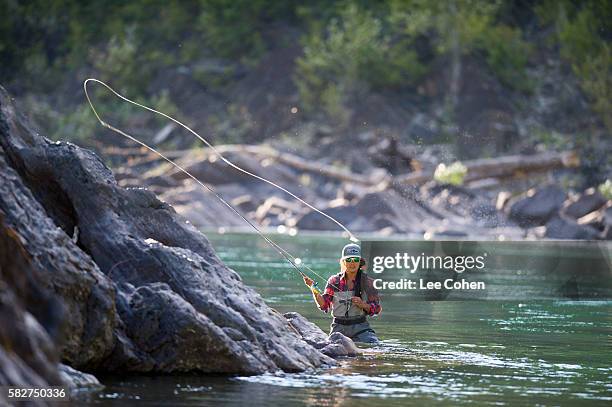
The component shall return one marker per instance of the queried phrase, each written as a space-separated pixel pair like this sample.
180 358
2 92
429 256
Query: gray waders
349 319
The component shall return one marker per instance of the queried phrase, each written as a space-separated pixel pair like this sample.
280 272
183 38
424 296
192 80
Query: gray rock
315 221
585 204
539 208
374 203
561 228
201 206
244 203
336 345
486 213
607 218
143 290
77 380
384 221
28 354
340 345
311 333
82 311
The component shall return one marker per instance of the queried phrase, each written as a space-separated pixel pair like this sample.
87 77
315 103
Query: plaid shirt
337 282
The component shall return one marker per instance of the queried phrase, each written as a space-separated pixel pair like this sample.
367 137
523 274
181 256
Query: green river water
432 353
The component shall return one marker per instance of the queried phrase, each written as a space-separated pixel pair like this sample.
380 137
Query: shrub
348 57
606 189
582 32
453 174
507 55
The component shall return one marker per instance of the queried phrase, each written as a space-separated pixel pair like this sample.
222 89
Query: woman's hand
360 303
308 281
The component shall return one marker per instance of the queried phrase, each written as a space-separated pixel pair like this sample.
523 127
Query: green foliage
582 30
507 55
463 27
235 28
453 174
116 65
606 189
234 127
350 47
79 124
349 56
229 30
595 73
551 139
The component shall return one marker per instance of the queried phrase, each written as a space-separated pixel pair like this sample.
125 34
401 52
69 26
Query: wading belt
350 321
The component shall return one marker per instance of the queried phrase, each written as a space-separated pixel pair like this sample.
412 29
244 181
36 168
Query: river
433 353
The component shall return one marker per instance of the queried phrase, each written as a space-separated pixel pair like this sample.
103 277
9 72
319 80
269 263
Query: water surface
438 353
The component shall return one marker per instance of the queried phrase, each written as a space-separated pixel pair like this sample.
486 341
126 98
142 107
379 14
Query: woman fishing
350 293
351 296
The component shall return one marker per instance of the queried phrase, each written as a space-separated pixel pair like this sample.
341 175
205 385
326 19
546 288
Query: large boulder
143 290
539 208
84 297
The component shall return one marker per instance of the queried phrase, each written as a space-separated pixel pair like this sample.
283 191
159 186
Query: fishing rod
294 261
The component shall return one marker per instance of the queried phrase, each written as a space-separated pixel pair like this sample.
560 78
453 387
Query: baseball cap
351 250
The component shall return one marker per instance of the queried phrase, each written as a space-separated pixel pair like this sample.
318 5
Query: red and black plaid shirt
337 282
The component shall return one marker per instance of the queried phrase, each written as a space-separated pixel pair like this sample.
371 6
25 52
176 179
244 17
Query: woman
351 296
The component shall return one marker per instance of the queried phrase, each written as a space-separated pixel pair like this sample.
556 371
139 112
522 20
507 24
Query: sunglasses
352 259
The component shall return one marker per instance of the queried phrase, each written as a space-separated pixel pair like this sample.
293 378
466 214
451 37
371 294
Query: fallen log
515 166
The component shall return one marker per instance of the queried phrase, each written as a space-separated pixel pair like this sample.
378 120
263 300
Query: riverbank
506 198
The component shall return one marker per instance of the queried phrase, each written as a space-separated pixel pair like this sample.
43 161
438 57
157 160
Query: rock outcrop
27 352
120 282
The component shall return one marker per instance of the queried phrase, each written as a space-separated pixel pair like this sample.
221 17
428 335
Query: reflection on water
441 353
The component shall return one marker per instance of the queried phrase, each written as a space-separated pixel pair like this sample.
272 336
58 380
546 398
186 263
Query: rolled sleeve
373 298
328 300
328 297
374 308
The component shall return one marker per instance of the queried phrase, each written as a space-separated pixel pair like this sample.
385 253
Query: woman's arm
321 301
318 298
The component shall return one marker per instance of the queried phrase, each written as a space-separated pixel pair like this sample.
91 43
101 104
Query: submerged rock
135 287
334 346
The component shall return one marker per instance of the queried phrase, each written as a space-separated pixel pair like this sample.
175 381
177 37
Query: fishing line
288 256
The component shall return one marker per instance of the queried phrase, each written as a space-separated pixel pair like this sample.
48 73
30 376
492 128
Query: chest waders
349 319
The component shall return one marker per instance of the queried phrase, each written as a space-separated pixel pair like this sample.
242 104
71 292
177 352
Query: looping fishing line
288 256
